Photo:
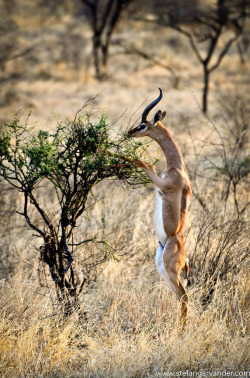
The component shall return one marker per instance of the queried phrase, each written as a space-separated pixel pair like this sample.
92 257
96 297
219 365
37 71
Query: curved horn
150 107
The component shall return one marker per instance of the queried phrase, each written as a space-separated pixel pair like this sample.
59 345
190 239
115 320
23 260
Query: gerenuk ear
159 116
163 115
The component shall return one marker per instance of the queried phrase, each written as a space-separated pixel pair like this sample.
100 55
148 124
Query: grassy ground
133 320
132 330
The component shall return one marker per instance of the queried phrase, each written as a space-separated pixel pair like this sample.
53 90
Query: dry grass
133 320
132 330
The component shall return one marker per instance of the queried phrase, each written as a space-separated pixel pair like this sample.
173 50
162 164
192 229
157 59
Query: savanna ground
132 327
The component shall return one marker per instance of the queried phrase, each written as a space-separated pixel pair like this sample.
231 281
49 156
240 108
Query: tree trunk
104 56
206 74
241 54
67 287
100 52
96 53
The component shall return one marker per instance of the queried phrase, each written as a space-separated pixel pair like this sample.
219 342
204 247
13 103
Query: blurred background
56 54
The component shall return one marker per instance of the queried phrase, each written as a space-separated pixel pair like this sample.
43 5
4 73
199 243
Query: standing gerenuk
173 191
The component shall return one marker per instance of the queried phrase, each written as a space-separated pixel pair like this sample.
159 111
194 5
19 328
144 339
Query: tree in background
10 50
104 15
71 160
211 30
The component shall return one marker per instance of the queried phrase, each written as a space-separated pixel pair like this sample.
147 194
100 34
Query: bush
73 158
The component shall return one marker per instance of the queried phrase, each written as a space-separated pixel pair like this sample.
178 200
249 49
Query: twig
92 99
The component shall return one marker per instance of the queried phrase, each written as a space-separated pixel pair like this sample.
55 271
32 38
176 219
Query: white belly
160 265
158 218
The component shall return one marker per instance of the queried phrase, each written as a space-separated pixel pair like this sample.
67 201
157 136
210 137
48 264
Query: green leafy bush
74 157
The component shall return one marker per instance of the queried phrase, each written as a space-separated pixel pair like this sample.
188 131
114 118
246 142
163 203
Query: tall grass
132 329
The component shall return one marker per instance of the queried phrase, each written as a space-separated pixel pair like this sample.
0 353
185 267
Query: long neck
164 138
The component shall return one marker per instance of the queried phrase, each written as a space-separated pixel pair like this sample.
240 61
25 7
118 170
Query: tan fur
176 188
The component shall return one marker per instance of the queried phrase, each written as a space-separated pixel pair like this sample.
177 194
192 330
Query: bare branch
223 53
191 40
17 55
42 212
25 214
134 51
